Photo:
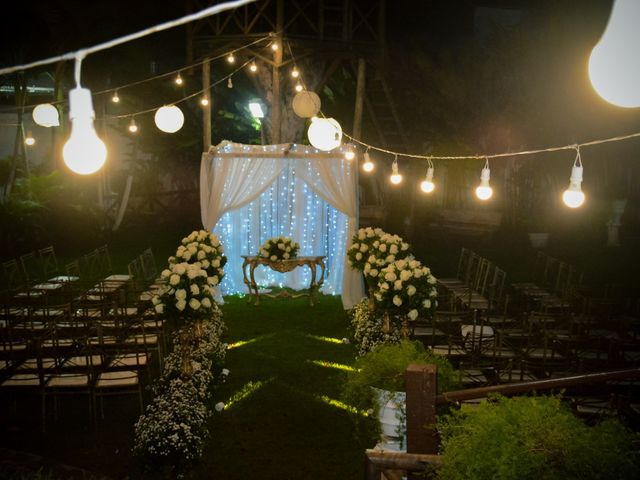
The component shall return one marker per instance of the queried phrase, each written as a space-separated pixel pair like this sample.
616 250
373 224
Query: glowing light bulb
115 98
253 67
229 83
169 118
324 133
84 152
427 185
133 128
298 87
231 58
179 80
368 165
295 73
349 155
29 140
204 101
274 46
573 197
395 177
46 115
484 190
614 64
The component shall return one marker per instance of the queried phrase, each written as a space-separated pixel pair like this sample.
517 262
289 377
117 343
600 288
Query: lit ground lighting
342 406
326 339
247 390
337 366
242 343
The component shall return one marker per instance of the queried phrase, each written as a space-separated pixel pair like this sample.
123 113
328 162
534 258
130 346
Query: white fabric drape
235 183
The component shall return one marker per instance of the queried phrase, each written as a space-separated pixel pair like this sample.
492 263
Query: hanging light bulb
133 128
299 87
368 165
573 197
349 155
169 118
229 83
84 152
46 115
484 190
253 67
427 185
295 73
115 98
204 101
274 46
29 141
614 64
324 133
395 177
179 80
231 58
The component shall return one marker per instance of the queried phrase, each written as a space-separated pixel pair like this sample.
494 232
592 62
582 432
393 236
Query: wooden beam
360 87
276 104
206 109
421 384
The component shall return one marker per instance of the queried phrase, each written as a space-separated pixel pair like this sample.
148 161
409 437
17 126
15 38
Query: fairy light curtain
249 193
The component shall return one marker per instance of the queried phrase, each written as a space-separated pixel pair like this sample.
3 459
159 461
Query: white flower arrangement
173 429
203 248
279 248
368 328
372 249
406 288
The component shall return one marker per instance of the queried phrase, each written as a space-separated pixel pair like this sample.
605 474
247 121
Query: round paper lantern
169 118
306 104
324 133
46 115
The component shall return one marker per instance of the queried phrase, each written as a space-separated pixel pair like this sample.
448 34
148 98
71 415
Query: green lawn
281 423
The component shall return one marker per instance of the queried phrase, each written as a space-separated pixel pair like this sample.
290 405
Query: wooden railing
422 400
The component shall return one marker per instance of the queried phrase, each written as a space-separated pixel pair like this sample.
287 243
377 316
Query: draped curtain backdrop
249 193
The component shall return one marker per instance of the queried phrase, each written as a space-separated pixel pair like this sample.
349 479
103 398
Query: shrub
532 437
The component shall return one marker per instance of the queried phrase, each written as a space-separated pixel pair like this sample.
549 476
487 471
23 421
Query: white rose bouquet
279 248
188 291
372 249
406 288
204 248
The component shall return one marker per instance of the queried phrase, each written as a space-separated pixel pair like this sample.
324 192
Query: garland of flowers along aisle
401 289
172 431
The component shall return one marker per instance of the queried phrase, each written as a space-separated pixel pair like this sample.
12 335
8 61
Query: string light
204 101
178 80
368 165
29 140
427 185
253 67
573 197
133 128
395 177
299 87
169 118
115 98
349 155
231 58
274 46
484 190
295 73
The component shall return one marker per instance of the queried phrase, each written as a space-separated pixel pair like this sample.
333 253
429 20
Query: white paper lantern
46 115
306 104
169 118
325 133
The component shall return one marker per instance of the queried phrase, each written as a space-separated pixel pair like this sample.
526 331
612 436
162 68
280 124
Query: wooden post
206 109
276 117
421 384
360 86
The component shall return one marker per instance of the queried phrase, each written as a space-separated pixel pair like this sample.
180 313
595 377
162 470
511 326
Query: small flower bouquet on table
279 248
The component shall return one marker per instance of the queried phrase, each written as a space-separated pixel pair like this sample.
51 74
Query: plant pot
392 418
538 239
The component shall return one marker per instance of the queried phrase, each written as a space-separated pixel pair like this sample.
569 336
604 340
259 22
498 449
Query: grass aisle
280 421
